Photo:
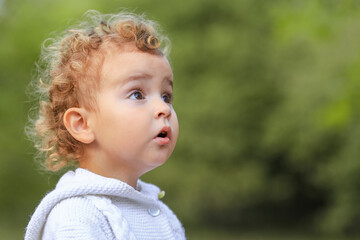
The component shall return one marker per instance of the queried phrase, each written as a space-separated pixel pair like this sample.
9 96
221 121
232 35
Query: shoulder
76 217
77 207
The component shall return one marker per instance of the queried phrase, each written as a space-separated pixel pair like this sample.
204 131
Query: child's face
134 107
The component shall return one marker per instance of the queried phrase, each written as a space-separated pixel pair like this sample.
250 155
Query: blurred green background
267 95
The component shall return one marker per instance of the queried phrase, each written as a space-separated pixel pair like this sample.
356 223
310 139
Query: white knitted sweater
87 206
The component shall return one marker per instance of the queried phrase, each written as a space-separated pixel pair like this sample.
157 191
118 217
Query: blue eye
167 98
136 95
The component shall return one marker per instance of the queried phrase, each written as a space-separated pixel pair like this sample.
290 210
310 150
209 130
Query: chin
157 163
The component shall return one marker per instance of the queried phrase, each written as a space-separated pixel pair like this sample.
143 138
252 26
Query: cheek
131 125
175 125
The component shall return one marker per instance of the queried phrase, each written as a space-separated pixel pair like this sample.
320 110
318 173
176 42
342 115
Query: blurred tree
267 98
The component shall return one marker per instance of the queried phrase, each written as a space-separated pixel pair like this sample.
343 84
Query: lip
163 140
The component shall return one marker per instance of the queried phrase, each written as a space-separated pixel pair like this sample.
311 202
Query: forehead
122 64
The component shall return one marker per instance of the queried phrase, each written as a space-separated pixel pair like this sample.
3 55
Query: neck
101 165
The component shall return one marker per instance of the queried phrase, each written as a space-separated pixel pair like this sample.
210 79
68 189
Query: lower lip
162 141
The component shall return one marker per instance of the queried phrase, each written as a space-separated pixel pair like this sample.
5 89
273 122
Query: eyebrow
144 76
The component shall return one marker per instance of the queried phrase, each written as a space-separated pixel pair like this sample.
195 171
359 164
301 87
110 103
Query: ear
76 122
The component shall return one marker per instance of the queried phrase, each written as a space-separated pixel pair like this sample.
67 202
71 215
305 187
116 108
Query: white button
154 211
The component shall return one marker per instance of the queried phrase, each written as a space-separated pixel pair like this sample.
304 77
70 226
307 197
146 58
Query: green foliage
267 95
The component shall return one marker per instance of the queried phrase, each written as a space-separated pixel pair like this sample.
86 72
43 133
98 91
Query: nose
162 109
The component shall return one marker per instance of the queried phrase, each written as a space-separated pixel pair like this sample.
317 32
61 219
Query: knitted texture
88 206
118 224
76 218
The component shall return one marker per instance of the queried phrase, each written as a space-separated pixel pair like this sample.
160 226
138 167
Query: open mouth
162 134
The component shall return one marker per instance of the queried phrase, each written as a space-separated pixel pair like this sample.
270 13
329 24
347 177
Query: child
108 108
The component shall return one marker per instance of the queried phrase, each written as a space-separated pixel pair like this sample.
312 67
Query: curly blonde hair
69 69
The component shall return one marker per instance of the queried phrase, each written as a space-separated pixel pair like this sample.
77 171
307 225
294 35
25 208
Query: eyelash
136 91
168 96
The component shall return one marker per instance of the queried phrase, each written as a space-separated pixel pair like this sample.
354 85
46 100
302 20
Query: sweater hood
82 182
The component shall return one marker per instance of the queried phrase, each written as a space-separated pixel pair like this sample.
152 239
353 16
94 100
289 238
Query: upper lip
165 130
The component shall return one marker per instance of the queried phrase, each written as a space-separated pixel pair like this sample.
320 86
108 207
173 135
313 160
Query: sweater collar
82 177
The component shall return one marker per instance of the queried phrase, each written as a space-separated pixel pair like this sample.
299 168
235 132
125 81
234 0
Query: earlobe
76 122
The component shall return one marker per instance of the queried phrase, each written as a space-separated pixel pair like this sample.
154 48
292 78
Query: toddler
107 91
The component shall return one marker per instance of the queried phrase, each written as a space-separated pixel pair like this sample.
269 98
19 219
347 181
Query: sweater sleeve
76 218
